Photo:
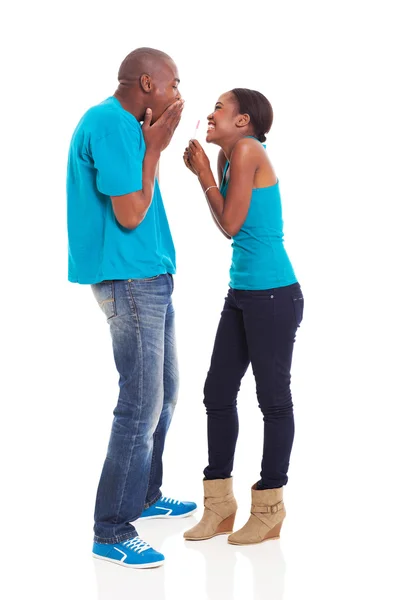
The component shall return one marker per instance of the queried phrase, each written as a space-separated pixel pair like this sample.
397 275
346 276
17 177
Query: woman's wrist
205 175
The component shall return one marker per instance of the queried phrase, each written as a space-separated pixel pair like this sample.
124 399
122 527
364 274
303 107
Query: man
120 243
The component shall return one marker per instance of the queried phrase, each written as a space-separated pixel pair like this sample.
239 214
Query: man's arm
126 171
131 209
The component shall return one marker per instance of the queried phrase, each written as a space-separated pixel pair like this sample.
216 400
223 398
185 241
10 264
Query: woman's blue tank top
259 259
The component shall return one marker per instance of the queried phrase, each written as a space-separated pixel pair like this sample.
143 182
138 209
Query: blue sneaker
133 553
168 508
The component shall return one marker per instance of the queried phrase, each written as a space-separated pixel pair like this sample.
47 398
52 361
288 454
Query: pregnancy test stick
196 130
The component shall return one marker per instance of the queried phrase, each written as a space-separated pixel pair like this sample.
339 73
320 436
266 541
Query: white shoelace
169 500
137 545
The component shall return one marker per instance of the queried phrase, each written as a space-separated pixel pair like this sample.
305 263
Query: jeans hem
269 486
117 539
156 499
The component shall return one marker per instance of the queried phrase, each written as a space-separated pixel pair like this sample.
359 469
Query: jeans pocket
298 304
105 297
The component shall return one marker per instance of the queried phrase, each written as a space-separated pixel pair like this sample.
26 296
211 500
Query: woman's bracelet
209 188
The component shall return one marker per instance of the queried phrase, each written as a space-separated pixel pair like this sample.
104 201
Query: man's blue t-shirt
105 159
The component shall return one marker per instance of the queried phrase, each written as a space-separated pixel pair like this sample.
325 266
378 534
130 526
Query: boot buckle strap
267 509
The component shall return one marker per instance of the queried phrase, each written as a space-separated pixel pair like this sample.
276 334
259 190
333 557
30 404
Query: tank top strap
254 138
223 182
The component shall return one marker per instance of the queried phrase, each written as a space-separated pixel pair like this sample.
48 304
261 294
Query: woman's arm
230 213
220 167
220 170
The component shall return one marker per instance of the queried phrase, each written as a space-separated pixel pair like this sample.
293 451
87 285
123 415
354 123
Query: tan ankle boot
219 511
267 514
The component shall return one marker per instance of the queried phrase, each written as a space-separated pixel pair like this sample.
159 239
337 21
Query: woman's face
222 122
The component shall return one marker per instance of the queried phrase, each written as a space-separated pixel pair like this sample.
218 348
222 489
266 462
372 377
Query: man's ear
145 83
242 120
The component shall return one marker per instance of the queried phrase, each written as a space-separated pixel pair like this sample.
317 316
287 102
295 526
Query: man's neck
130 105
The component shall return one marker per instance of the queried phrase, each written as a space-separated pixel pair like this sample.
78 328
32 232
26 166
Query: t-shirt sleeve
118 161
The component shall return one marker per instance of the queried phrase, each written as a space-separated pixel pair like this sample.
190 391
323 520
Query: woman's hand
196 159
187 161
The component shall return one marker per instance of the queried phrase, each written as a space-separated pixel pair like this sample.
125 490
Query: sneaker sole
168 516
123 564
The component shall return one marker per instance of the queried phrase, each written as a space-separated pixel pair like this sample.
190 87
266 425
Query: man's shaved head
148 78
142 61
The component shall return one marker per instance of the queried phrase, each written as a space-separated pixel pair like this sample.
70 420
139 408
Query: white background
330 70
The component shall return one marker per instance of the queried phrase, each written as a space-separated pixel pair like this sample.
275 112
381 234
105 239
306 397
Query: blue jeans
141 319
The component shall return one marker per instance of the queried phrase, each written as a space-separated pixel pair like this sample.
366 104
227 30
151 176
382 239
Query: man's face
164 92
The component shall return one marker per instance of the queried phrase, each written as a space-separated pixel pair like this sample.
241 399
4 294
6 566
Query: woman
262 311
